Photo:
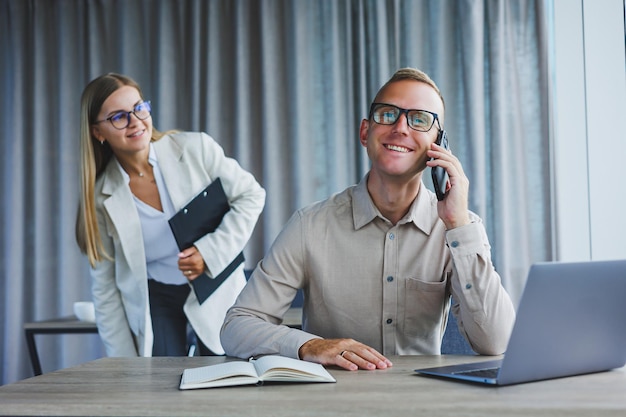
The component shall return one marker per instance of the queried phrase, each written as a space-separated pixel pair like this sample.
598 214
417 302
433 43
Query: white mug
85 311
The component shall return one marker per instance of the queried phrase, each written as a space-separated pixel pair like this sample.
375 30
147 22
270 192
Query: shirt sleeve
253 325
483 308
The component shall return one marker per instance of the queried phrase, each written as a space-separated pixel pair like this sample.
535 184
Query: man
379 262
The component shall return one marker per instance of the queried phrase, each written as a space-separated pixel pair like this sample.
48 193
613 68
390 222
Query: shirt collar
420 213
363 208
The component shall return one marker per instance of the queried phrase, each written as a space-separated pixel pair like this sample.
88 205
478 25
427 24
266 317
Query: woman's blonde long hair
94 157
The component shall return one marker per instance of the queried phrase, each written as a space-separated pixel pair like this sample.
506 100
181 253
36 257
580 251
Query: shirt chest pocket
424 305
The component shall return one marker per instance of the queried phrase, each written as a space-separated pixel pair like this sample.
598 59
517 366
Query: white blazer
189 162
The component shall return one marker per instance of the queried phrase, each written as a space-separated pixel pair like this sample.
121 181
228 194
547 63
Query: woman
133 179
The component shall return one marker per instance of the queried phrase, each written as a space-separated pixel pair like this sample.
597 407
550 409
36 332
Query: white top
158 240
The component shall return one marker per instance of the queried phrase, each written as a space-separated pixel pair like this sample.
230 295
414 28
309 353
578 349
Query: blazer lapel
120 207
175 170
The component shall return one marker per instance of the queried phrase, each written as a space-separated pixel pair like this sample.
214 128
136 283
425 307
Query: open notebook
570 321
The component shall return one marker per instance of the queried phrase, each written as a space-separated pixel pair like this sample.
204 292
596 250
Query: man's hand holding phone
438 173
453 193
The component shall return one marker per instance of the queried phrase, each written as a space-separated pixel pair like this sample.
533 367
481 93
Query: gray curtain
282 85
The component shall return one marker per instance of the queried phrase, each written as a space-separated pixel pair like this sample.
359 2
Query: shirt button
468 286
454 244
392 236
389 321
389 278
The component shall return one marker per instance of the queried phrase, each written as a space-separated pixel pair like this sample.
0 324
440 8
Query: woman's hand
190 262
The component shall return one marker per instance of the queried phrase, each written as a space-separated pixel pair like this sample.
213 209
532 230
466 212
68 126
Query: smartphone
440 175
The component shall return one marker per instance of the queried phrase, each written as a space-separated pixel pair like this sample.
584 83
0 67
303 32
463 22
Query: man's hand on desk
345 353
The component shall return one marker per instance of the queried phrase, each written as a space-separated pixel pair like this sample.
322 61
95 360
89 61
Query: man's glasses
388 114
121 119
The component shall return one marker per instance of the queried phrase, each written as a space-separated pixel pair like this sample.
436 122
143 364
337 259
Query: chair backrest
453 342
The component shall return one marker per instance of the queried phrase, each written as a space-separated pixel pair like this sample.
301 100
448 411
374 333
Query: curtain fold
282 85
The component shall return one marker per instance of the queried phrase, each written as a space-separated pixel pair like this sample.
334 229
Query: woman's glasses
121 119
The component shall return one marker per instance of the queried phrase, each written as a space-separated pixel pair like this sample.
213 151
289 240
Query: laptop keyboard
481 373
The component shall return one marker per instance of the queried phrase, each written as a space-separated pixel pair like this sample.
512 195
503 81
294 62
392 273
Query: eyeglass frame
133 111
406 116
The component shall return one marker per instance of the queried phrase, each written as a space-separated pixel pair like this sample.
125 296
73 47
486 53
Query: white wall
589 148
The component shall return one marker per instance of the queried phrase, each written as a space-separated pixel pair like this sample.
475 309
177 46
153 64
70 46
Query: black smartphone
440 175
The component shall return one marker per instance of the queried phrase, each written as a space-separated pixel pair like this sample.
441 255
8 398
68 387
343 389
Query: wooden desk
149 386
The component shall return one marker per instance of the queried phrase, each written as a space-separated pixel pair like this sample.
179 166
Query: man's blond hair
411 74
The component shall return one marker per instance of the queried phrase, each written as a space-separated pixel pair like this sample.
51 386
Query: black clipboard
202 215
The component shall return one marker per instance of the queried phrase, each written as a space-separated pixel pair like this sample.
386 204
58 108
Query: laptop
570 321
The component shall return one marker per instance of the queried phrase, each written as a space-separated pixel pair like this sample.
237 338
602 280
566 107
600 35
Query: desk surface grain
149 386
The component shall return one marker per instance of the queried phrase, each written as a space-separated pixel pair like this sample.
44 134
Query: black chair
453 342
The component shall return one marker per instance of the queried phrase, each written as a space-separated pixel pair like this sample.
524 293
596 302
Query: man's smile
397 148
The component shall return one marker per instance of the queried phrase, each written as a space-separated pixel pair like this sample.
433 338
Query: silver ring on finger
343 352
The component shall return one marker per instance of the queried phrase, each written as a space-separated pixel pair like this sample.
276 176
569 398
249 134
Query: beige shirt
385 285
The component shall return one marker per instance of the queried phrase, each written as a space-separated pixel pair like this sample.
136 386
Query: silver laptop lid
571 320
